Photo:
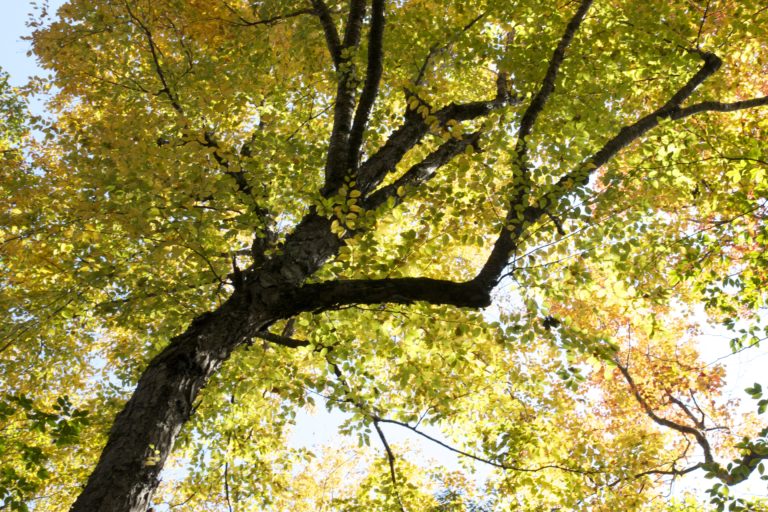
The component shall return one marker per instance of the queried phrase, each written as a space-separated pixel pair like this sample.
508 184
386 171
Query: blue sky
13 56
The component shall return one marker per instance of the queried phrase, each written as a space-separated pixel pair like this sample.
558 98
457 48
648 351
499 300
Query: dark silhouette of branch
337 160
752 452
371 85
548 84
329 29
421 172
390 460
437 49
522 214
679 427
670 110
226 486
686 410
406 290
488 461
476 293
284 341
155 53
373 171
272 20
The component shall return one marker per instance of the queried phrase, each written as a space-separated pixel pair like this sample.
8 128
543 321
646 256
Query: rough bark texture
144 432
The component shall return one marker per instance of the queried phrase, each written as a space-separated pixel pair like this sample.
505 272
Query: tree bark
143 434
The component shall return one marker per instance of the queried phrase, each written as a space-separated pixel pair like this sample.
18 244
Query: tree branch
435 49
284 341
337 160
484 460
406 290
521 214
717 106
373 171
155 52
271 20
368 411
372 79
226 486
476 293
687 411
548 84
421 172
329 29
259 244
683 429
354 27
755 452
670 110
390 459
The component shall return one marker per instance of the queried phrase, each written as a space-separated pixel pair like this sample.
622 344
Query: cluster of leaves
13 113
31 434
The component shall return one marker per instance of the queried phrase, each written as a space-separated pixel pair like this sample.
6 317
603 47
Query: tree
494 218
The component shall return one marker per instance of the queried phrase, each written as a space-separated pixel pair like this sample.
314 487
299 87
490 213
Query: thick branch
521 214
373 171
329 29
406 290
548 84
475 293
717 106
670 110
421 172
283 341
337 161
354 26
372 79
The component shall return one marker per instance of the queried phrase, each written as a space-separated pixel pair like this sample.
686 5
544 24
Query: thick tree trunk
144 432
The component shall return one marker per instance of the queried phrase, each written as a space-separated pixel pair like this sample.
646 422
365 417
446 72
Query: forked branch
337 160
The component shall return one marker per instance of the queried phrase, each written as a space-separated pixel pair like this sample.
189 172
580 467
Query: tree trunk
144 432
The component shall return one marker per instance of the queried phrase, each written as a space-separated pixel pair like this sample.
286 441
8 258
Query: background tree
493 218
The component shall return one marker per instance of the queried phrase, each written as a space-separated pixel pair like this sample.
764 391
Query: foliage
324 198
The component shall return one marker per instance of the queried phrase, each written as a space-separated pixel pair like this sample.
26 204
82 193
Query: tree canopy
501 220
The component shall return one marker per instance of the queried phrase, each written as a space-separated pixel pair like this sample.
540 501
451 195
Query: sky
13 51
314 430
